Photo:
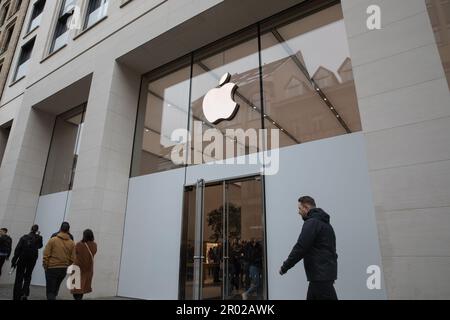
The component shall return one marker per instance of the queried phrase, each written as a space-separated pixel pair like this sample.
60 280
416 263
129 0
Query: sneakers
244 296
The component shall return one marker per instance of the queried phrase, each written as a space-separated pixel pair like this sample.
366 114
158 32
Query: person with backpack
84 253
5 247
24 260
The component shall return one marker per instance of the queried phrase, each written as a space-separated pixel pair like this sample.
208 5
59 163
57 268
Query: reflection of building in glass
305 104
439 11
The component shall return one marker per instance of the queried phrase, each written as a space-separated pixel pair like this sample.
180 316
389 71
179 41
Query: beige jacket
58 252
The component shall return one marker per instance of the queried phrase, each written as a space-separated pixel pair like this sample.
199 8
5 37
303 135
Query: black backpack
29 245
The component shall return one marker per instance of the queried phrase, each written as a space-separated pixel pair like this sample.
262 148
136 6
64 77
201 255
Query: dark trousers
54 277
2 261
77 296
323 290
24 272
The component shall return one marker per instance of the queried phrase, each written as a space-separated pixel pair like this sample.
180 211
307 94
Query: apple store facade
293 73
193 229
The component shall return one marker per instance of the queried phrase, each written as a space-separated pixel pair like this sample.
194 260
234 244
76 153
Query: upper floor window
36 15
4 135
18 4
7 39
4 14
63 153
96 10
61 35
25 55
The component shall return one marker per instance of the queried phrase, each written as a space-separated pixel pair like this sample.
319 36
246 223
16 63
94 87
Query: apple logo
219 104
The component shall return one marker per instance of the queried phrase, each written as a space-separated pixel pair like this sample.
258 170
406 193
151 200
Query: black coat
317 246
27 248
6 245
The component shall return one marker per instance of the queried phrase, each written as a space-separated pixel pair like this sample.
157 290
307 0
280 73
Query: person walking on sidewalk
84 253
56 233
317 246
5 247
25 257
57 258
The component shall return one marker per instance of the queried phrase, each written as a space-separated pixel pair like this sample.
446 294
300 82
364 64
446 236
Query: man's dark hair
35 228
88 235
307 200
4 229
65 227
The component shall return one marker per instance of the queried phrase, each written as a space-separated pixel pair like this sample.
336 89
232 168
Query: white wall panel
334 172
49 216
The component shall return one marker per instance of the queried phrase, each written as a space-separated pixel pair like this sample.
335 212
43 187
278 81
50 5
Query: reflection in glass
245 266
238 57
64 150
187 245
439 11
233 246
212 281
309 91
164 110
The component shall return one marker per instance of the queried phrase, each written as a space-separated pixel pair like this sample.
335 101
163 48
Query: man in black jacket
5 247
25 256
317 246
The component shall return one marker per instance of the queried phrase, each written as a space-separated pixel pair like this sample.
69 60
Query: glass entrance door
223 241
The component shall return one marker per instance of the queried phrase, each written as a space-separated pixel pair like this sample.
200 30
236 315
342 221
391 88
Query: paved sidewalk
38 293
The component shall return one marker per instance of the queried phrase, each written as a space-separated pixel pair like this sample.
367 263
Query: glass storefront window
223 242
439 11
239 57
309 93
64 150
303 67
163 111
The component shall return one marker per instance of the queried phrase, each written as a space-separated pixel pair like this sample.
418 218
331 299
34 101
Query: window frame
4 13
86 14
4 46
20 63
65 10
30 27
